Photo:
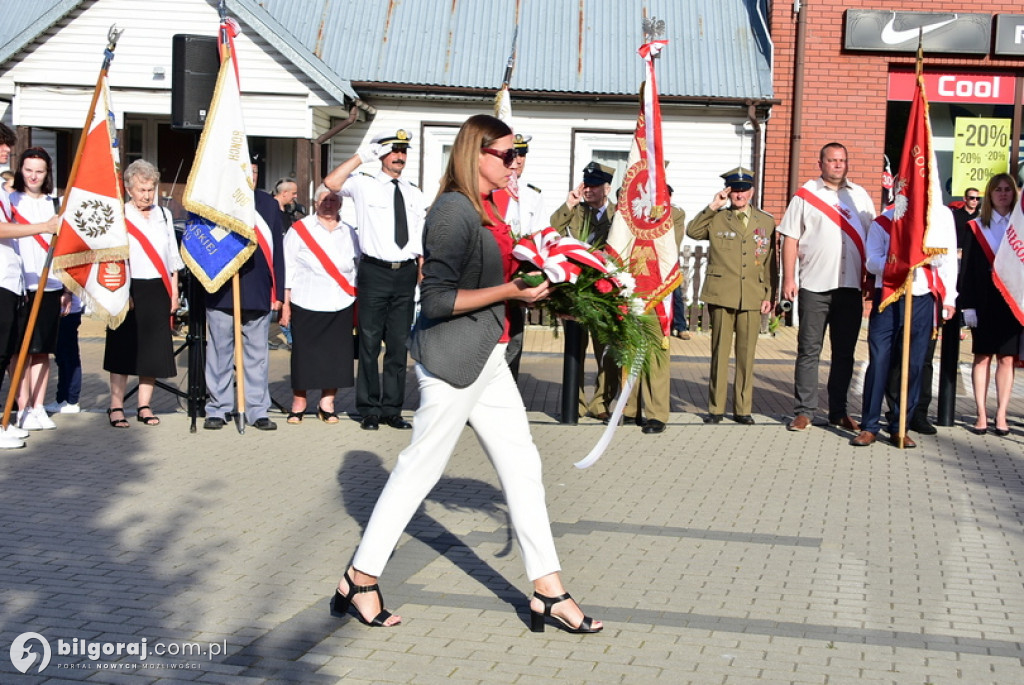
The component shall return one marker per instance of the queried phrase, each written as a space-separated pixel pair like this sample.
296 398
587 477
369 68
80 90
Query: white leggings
494 408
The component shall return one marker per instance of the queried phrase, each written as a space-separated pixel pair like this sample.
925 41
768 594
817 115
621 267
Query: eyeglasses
972 198
507 157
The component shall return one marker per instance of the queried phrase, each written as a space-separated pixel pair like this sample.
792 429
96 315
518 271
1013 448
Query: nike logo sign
890 36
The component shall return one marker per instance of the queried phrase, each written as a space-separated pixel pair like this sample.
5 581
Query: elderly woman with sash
995 329
141 346
321 254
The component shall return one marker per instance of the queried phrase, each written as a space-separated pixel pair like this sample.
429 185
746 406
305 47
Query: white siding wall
276 96
700 143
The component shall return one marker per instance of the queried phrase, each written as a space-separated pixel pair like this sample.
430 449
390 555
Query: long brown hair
985 214
463 172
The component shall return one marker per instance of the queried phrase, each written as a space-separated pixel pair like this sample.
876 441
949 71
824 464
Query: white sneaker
62 408
43 418
9 442
27 420
14 432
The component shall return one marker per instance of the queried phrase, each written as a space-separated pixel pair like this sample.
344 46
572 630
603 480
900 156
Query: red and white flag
642 232
914 186
91 249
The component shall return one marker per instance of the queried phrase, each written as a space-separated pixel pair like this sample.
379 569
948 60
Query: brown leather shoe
799 423
908 444
863 439
846 422
602 416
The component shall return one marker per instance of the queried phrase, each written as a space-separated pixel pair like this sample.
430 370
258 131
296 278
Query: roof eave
37 28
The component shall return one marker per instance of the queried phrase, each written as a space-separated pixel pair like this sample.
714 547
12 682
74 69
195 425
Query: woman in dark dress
996 331
320 254
141 346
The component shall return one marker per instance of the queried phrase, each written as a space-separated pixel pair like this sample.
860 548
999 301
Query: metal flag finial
654 28
113 35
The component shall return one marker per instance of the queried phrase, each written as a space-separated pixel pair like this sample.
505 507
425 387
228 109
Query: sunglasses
507 157
970 198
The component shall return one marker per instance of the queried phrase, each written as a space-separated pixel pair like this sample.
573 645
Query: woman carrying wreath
321 253
459 343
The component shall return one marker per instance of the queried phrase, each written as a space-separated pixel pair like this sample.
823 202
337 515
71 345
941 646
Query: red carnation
604 285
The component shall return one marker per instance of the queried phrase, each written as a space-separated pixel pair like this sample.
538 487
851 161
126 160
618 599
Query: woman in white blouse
141 345
995 330
32 203
321 253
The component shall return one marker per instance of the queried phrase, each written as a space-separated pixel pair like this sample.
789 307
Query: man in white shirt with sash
824 228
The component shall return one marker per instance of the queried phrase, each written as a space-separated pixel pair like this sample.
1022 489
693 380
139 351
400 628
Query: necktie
742 217
401 222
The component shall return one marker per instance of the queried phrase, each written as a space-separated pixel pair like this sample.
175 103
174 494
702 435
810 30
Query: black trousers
386 304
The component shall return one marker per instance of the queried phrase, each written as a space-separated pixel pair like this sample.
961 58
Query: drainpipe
353 114
796 128
756 152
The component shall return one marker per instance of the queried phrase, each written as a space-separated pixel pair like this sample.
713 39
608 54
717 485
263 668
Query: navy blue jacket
254 276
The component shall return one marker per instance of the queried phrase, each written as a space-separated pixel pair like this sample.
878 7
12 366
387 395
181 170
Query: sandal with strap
326 416
537 619
117 423
150 420
341 603
295 417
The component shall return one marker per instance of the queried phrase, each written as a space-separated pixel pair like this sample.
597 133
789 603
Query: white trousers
494 408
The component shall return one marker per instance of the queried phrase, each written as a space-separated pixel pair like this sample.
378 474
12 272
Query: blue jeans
679 322
885 331
68 358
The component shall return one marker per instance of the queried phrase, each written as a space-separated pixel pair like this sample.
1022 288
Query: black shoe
398 422
370 423
744 419
653 426
922 426
713 418
264 424
632 420
214 423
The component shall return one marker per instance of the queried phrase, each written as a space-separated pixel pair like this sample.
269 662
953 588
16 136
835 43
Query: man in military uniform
389 215
587 216
737 287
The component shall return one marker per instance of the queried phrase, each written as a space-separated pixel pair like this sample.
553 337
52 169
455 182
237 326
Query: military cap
595 174
400 138
521 143
739 178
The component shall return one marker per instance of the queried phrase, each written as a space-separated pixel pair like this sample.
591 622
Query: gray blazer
459 253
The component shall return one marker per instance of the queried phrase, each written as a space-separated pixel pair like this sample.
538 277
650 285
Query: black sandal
537 618
295 417
341 603
326 416
148 420
117 423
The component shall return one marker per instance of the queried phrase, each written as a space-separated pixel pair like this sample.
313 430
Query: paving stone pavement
714 554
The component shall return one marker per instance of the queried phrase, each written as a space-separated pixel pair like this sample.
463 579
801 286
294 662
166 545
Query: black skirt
322 349
44 334
141 345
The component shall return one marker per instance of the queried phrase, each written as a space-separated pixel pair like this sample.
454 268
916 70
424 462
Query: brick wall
845 93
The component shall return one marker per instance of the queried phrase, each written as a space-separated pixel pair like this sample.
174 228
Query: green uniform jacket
578 222
741 258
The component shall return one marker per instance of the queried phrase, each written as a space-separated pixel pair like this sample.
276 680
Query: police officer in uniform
587 216
737 287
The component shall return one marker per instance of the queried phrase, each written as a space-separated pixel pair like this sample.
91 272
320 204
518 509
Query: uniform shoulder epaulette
530 185
770 216
363 173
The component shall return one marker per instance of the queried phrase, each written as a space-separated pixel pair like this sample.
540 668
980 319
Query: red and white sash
151 253
266 241
43 243
975 227
325 261
837 215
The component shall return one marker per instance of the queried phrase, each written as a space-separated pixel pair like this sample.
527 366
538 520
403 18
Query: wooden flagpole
908 305
108 55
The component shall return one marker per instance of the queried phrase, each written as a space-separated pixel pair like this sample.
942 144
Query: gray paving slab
715 554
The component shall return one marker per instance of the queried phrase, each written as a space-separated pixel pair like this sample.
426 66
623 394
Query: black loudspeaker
195 62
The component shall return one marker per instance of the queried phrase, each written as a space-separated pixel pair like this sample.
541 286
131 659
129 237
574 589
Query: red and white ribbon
560 258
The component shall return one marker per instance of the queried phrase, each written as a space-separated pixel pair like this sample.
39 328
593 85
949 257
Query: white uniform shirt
310 285
941 234
159 229
11 277
33 255
532 216
375 215
828 258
